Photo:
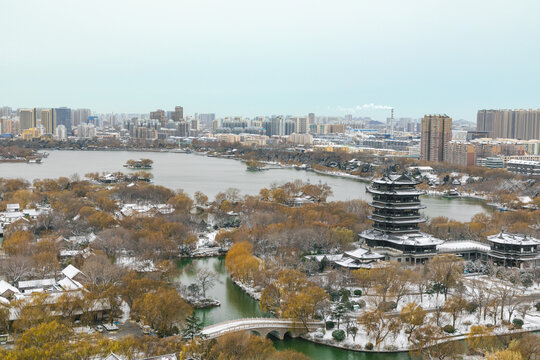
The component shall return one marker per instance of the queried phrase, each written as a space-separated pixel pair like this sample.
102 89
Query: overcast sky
250 57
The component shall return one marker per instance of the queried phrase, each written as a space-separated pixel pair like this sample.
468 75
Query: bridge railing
255 323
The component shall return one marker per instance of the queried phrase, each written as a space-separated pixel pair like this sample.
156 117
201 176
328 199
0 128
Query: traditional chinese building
514 250
396 216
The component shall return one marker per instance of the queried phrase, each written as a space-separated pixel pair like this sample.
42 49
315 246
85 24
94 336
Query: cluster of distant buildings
42 122
504 139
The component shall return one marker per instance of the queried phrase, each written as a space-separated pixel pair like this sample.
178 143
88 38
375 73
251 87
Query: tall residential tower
48 120
436 133
27 119
509 124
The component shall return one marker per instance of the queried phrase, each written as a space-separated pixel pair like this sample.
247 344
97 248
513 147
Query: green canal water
236 304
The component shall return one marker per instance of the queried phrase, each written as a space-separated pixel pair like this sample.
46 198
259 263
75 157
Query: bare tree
113 241
446 272
481 293
100 271
16 268
508 290
232 194
206 280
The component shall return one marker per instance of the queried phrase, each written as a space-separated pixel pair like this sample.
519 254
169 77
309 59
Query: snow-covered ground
135 264
430 303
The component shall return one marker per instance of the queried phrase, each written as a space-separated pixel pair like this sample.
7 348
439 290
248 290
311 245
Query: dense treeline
54 340
269 241
483 225
13 152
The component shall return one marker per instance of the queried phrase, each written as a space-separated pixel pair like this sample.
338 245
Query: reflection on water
321 352
236 304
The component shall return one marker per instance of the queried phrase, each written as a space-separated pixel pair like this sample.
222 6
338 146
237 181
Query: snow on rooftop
328 257
524 162
4 301
39 283
5 286
417 239
466 245
70 271
12 207
513 239
364 254
69 284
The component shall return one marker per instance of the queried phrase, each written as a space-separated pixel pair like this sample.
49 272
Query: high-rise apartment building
27 119
159 115
9 126
80 116
48 121
311 118
302 125
277 126
215 125
183 128
5 111
206 119
436 133
86 131
178 113
289 127
460 153
509 124
63 117
61 132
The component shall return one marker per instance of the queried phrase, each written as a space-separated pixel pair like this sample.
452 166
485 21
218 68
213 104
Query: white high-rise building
86 131
61 132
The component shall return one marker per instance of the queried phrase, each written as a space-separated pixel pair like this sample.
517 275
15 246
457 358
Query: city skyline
259 58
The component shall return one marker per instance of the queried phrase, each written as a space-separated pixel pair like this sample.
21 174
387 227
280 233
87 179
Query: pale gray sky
252 57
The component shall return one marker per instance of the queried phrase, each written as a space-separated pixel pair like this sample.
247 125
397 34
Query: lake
210 175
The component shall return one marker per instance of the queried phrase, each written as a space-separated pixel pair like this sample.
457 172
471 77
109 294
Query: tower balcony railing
397 201
395 229
396 215
414 220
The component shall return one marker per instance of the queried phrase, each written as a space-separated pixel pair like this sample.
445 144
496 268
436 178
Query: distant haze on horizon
245 57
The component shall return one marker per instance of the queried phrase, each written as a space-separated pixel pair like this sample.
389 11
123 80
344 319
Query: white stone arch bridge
262 327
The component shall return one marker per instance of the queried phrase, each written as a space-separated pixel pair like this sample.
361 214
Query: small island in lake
254 165
139 164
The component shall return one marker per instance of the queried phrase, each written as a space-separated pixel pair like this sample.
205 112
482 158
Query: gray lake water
192 172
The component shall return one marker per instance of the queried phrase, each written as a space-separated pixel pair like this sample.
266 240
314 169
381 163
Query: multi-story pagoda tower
396 216
396 204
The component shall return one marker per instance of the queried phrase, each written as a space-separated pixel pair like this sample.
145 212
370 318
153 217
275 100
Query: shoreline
360 349
246 289
338 174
